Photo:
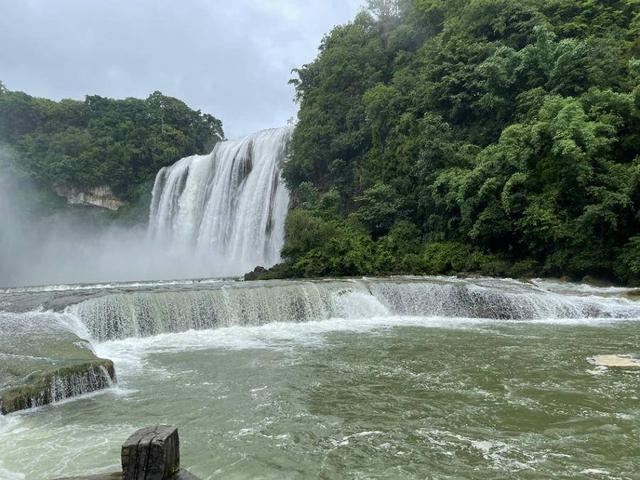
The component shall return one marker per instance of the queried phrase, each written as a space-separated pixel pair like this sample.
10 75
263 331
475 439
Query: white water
187 352
148 313
227 208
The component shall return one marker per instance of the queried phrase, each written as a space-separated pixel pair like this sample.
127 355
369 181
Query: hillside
491 136
76 146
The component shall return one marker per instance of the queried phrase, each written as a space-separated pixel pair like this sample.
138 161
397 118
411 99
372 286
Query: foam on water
129 354
141 314
9 426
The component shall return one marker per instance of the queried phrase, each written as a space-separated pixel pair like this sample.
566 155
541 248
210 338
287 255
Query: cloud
230 59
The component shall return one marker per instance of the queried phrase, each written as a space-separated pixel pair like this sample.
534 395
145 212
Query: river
371 378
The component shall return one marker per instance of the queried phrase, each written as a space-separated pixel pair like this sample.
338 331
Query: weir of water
44 358
227 207
56 343
145 313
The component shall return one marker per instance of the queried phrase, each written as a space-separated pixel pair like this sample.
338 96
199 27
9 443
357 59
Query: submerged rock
616 361
104 476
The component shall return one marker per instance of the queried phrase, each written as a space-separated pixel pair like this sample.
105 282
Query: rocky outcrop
45 387
257 274
42 361
101 197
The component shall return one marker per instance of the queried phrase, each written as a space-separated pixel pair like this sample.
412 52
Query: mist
64 247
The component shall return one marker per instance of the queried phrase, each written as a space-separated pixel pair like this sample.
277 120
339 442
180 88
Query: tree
504 130
101 141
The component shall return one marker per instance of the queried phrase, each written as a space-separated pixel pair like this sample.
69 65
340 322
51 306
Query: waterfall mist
211 216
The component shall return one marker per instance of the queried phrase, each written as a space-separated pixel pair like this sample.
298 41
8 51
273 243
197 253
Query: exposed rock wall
101 197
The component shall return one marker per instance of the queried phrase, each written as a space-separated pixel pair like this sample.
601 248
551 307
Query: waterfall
146 313
227 208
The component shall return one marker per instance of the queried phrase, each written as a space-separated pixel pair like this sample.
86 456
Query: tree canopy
499 136
101 141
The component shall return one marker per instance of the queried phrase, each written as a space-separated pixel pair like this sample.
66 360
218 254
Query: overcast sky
230 58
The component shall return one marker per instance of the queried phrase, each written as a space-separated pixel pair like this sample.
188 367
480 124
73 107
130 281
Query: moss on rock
42 361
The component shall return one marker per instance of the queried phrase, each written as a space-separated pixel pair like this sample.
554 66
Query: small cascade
42 361
517 302
227 208
149 313
64 386
146 313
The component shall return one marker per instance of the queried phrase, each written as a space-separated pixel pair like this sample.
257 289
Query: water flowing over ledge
56 339
146 313
227 207
44 359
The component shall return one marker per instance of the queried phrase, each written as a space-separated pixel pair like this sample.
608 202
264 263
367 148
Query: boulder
256 274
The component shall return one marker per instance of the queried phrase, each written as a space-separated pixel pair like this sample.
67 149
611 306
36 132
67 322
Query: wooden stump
152 453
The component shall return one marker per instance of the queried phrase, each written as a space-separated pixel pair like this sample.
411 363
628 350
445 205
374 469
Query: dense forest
100 141
491 136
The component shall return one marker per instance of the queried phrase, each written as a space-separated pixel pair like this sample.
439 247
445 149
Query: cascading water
227 207
468 371
147 313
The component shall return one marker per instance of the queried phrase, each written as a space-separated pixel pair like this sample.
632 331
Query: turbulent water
229 206
139 314
362 378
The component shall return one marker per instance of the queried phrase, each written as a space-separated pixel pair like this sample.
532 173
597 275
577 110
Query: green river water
366 379
399 397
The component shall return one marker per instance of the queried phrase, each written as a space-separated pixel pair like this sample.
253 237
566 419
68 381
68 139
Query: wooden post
152 453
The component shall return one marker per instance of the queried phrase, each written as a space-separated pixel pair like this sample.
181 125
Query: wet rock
42 388
616 361
257 274
42 361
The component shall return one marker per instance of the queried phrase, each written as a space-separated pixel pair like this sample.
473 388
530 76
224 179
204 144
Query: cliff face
101 197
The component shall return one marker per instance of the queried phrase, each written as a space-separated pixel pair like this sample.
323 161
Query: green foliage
630 259
493 136
378 209
119 143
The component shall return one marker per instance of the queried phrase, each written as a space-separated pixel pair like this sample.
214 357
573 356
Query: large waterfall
227 208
